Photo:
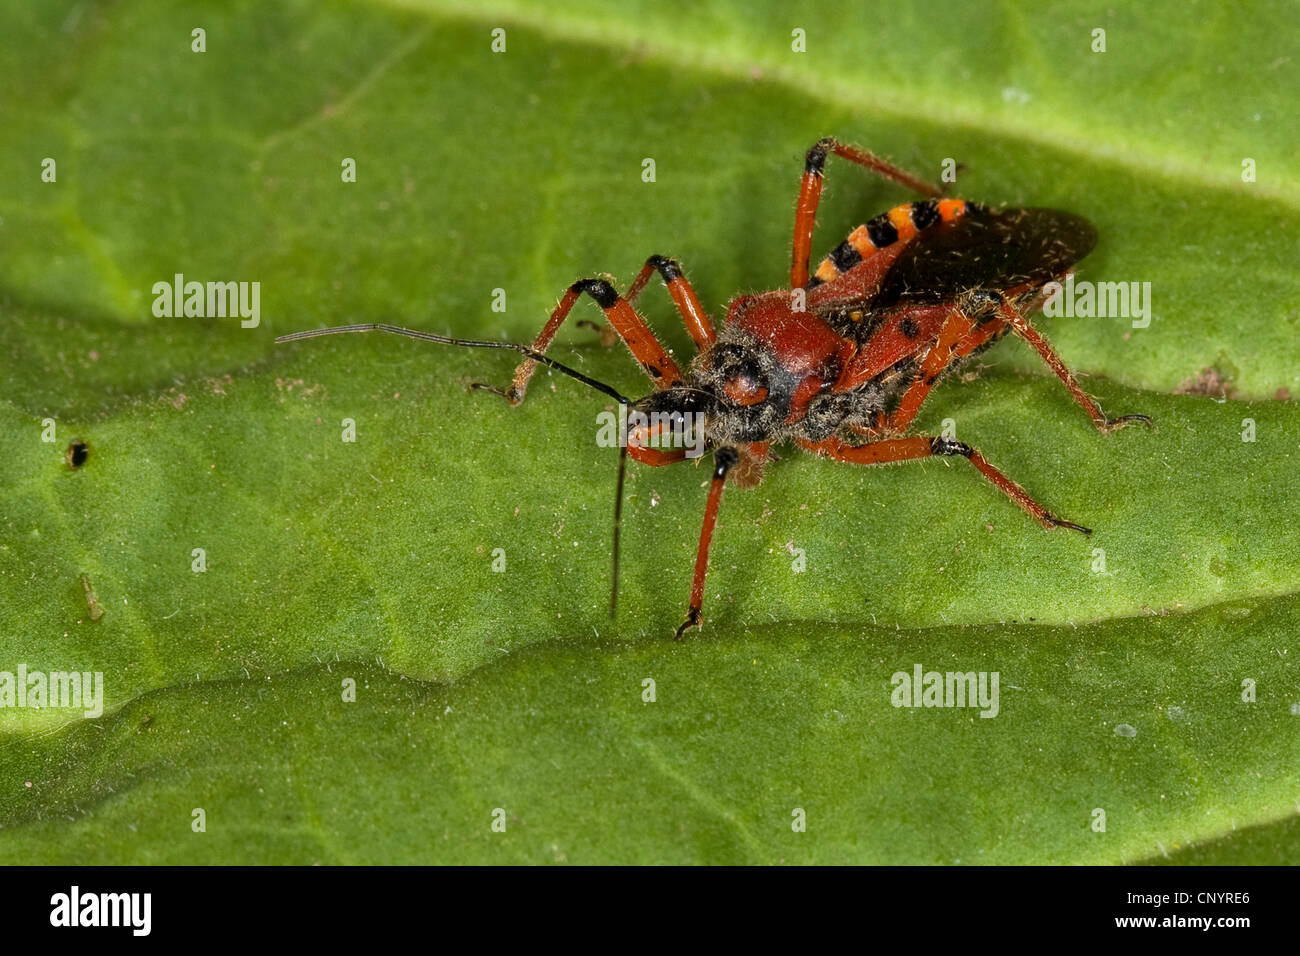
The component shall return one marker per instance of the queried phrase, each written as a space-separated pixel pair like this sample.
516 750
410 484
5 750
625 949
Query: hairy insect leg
1020 325
724 459
961 335
694 317
890 450
654 358
810 192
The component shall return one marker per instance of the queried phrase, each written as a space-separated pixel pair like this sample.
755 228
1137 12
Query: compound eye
745 390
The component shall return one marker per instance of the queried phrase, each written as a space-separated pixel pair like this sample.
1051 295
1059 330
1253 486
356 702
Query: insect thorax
756 394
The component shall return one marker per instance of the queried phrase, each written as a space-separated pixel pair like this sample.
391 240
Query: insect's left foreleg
631 328
696 320
890 450
724 459
694 317
1020 325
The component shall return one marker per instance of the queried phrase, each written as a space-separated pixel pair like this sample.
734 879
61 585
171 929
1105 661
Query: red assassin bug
901 302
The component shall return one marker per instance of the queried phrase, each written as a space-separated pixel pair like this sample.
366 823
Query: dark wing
986 249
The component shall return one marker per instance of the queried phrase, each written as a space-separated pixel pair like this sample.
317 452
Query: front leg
724 459
694 317
627 323
654 358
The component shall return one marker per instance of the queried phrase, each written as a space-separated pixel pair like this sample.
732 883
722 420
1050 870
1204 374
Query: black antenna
468 343
618 521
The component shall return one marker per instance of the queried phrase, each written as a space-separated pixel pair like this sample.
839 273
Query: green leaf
1121 657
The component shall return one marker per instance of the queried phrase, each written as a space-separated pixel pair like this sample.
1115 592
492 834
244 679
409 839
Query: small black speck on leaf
77 453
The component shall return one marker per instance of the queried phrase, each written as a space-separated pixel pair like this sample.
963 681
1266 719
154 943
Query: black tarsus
693 619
